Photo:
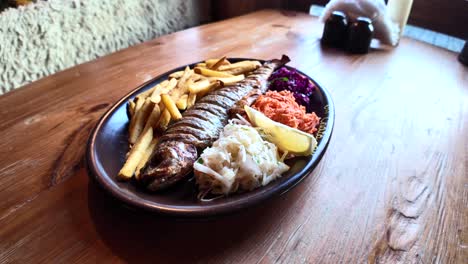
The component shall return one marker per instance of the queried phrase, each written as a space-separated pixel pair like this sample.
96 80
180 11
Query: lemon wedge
284 137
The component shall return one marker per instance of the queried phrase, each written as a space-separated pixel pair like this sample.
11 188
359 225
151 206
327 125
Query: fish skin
199 127
238 108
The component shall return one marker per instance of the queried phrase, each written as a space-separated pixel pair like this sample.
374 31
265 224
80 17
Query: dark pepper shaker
360 34
334 32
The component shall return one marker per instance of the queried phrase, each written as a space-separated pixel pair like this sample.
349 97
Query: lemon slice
284 137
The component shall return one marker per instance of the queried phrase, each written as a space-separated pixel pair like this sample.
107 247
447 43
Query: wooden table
392 186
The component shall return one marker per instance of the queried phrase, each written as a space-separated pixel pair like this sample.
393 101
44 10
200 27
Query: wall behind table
48 36
446 16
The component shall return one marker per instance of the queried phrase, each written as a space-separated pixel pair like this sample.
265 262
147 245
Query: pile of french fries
153 110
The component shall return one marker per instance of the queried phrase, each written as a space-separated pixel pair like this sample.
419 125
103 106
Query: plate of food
212 137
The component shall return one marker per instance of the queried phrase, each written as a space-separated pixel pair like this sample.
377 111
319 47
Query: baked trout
199 127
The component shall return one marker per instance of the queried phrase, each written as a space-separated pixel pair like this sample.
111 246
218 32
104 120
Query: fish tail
284 59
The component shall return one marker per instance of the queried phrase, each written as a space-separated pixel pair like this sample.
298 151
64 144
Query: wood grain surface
392 187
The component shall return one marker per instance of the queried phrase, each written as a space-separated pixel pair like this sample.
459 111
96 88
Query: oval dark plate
108 145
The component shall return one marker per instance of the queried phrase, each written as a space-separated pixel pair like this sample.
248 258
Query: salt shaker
334 32
360 34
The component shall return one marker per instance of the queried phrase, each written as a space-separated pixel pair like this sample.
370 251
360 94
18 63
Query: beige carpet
49 36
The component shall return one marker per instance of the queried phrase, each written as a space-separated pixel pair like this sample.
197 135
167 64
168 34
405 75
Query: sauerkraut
240 160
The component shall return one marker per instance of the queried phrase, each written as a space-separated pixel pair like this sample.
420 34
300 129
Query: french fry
145 94
148 92
136 154
182 102
139 103
211 73
153 118
159 86
192 98
228 80
238 64
171 106
209 63
202 65
156 95
196 87
162 107
146 156
140 119
181 87
158 91
202 90
176 74
218 63
196 77
164 119
171 85
239 67
131 108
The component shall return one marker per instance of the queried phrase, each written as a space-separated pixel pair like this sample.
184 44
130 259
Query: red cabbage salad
292 80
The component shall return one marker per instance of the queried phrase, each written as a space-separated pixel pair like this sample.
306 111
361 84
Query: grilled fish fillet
199 127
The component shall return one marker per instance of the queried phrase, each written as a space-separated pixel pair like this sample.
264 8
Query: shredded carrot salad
283 108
